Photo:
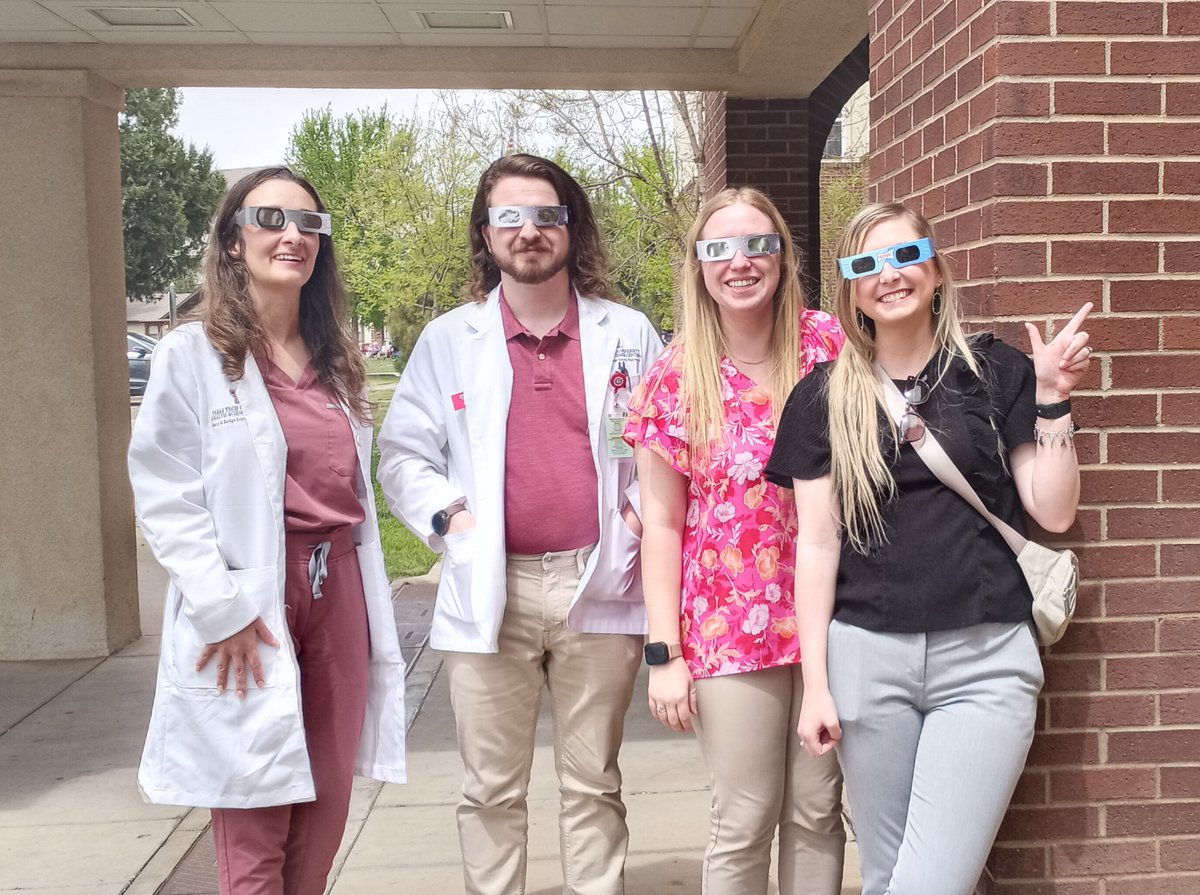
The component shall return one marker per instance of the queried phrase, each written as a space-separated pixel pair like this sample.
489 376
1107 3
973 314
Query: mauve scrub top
321 488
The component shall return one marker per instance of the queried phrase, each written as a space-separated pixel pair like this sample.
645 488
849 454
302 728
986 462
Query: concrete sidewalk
72 822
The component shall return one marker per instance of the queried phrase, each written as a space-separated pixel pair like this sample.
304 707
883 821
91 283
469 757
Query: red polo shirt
549 474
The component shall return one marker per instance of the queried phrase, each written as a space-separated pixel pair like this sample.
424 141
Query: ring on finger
662 709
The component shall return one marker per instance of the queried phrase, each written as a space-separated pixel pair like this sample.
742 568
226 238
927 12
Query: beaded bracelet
1042 437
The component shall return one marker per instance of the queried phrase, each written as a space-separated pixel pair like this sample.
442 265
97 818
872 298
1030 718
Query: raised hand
1060 363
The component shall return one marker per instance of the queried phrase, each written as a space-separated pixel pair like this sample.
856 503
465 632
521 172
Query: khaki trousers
762 779
496 697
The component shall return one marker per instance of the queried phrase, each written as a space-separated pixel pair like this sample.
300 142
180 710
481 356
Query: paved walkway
72 823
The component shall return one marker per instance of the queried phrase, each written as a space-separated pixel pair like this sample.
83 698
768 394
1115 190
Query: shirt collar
568 326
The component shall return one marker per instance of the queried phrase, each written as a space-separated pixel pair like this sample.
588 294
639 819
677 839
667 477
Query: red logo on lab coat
457 401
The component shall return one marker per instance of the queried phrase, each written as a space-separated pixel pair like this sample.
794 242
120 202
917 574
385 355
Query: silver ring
662 709
1088 349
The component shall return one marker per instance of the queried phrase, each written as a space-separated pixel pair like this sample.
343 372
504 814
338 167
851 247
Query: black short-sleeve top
943 565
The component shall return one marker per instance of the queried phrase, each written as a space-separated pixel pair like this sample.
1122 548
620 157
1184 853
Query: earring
861 319
936 305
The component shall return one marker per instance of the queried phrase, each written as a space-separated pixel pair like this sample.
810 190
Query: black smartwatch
659 653
441 520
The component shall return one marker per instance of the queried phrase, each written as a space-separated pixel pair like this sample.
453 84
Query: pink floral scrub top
739 550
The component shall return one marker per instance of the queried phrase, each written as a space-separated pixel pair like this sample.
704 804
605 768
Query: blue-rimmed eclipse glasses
517 215
725 247
270 218
900 255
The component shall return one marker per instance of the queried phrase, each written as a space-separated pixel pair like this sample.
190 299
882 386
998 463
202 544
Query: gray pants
935 730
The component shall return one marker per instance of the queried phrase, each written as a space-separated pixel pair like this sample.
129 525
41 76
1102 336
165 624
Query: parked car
138 350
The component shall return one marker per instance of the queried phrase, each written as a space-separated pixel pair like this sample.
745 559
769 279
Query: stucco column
68 573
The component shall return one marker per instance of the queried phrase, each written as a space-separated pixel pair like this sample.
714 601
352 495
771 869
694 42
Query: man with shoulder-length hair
502 449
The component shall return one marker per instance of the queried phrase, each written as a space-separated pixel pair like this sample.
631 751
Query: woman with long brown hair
250 465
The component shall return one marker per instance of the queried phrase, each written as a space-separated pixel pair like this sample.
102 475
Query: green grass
404 553
378 365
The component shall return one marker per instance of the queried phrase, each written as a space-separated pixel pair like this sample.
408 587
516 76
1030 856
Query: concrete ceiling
750 48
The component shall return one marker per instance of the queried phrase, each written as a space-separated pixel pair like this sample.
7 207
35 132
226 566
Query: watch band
441 519
1053 411
660 653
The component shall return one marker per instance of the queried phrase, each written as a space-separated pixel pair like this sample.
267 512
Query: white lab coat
443 441
207 462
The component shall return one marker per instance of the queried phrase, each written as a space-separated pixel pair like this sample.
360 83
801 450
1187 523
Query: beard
531 268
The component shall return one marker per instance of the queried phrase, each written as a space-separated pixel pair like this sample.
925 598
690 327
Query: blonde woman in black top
919 659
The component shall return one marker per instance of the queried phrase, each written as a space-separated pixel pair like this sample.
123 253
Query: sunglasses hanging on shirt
900 255
725 247
912 424
271 218
517 215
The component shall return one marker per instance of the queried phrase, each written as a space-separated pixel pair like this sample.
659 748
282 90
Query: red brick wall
712 116
767 146
1057 147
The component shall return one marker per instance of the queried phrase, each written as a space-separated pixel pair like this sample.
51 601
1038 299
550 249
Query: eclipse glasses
270 218
517 215
900 255
726 247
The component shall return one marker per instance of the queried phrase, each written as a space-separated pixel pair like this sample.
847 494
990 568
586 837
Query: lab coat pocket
626 552
259 585
457 564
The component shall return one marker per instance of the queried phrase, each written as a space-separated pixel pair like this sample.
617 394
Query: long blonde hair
703 342
862 478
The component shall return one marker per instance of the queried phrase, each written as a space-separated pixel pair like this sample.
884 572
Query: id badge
618 447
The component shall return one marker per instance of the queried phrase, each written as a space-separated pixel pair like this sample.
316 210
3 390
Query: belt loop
318 570
580 560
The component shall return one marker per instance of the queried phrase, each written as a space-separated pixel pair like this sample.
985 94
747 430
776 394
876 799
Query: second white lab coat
443 441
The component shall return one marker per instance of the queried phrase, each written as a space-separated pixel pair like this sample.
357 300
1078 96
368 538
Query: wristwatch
441 520
659 653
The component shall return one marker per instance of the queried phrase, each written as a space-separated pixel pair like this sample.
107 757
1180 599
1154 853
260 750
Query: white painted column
68 572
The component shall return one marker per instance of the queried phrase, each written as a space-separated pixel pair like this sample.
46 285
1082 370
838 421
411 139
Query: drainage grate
196 874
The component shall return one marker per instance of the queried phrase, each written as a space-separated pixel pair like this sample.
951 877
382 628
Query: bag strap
935 457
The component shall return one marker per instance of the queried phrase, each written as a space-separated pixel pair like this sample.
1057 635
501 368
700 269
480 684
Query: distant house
153 318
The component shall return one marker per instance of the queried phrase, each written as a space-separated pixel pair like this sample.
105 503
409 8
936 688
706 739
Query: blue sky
247 127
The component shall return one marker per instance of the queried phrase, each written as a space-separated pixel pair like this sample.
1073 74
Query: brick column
1057 147
767 146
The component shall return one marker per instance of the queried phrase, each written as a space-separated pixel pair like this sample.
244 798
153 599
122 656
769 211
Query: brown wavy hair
587 261
231 322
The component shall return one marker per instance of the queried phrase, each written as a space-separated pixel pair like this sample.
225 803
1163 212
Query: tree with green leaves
169 194
345 159
400 192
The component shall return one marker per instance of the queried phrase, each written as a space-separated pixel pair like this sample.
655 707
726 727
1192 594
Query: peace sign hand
1061 363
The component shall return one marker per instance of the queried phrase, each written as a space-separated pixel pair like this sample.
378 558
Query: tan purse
1052 575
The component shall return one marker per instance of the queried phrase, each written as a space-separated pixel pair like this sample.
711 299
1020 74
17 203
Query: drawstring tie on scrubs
318 567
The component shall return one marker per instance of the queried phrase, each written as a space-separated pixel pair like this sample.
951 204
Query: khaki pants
496 697
762 778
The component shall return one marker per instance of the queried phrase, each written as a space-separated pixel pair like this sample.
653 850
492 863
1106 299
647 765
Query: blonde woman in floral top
718 553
